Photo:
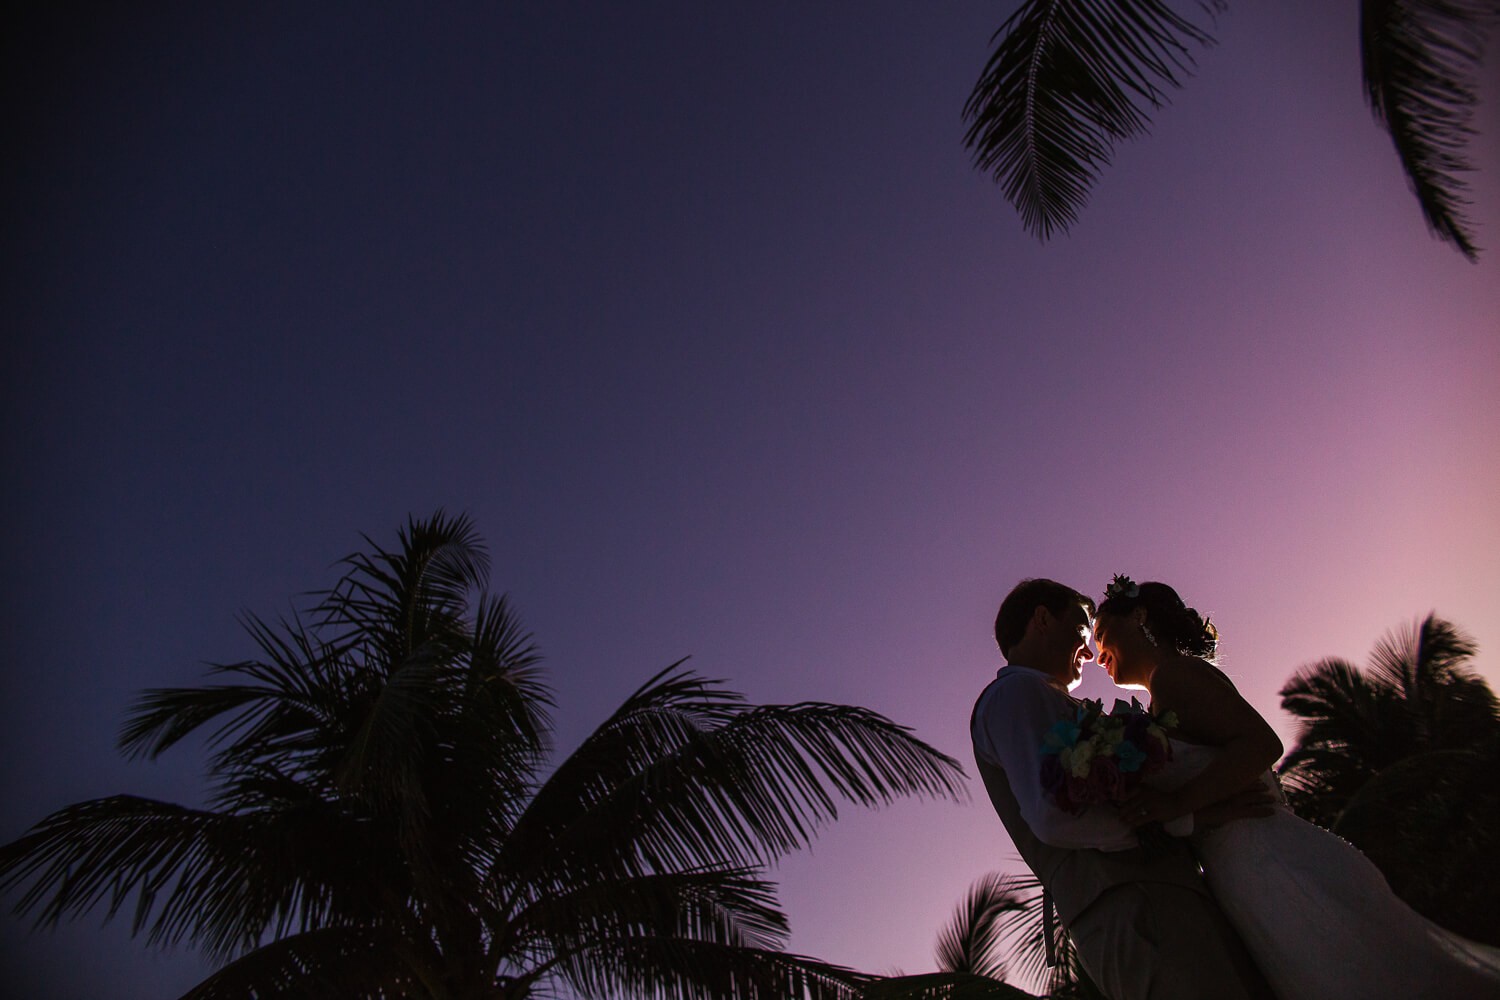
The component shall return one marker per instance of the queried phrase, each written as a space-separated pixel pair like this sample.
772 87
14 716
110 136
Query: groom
1144 924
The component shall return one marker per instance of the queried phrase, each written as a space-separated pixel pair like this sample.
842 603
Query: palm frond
1021 927
1338 706
415 595
1426 667
353 962
1420 62
298 679
1349 726
1067 81
383 757
718 784
504 676
504 701
664 968
215 879
484 769
1428 651
672 708
727 906
971 942
942 986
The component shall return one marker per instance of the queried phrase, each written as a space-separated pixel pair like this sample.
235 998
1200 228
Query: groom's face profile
1074 630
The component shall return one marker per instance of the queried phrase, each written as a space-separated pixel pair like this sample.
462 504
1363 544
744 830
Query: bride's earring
1147 633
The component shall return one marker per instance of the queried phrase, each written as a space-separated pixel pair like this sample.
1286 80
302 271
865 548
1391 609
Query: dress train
1318 916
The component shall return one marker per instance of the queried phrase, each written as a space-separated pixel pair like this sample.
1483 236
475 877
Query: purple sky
701 312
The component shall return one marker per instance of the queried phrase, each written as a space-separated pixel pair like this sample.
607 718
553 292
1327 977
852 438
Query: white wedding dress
1317 915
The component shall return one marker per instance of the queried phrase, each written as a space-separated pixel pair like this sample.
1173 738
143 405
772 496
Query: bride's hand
1148 805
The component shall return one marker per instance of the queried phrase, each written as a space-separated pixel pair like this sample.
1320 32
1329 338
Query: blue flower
1131 757
1064 733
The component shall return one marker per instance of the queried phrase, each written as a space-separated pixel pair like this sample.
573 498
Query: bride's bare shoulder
1209 708
1197 692
1186 675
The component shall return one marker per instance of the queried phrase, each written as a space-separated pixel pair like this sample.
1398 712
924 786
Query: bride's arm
1210 711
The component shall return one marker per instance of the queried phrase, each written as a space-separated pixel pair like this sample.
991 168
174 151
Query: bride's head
1138 624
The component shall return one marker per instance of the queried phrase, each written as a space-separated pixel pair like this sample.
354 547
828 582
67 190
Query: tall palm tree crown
382 824
1401 760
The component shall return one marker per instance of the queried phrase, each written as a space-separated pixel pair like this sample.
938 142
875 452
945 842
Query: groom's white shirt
1011 723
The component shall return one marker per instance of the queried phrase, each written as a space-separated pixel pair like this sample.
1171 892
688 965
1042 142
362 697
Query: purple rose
1081 791
1106 777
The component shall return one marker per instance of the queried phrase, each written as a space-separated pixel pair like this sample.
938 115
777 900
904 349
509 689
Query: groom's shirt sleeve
1010 724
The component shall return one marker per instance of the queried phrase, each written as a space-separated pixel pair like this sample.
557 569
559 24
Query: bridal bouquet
1103 757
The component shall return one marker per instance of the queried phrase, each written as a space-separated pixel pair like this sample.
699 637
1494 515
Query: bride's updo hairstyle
1171 623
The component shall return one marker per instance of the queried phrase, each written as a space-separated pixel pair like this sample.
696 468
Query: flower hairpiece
1121 586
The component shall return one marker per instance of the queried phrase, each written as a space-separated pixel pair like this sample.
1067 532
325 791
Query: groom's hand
1250 803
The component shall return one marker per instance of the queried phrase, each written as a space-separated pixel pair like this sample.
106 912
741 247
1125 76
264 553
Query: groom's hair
1021 603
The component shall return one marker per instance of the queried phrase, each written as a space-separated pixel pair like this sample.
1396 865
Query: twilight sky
701 312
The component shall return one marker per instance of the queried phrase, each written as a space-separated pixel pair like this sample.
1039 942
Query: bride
1315 913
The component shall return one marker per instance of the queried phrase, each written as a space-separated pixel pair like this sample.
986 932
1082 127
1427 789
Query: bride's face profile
1124 652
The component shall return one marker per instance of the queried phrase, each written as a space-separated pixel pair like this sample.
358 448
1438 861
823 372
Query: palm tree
1068 79
382 824
1400 760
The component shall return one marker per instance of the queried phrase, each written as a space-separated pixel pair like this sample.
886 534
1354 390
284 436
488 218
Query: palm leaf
726 906
1023 930
942 986
657 720
298 680
1420 62
1430 651
1347 722
971 942
348 962
664 968
504 686
1067 81
382 760
215 879
683 776
1425 666
398 600
491 747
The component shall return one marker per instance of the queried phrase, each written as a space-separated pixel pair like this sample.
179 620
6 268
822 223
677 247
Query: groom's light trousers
1156 941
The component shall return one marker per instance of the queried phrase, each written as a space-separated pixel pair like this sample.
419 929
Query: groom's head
1046 623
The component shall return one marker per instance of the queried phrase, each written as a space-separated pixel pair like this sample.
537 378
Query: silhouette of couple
1243 899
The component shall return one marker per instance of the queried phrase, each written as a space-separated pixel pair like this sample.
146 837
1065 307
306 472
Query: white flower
1077 762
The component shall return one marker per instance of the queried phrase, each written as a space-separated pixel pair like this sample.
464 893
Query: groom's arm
1010 723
